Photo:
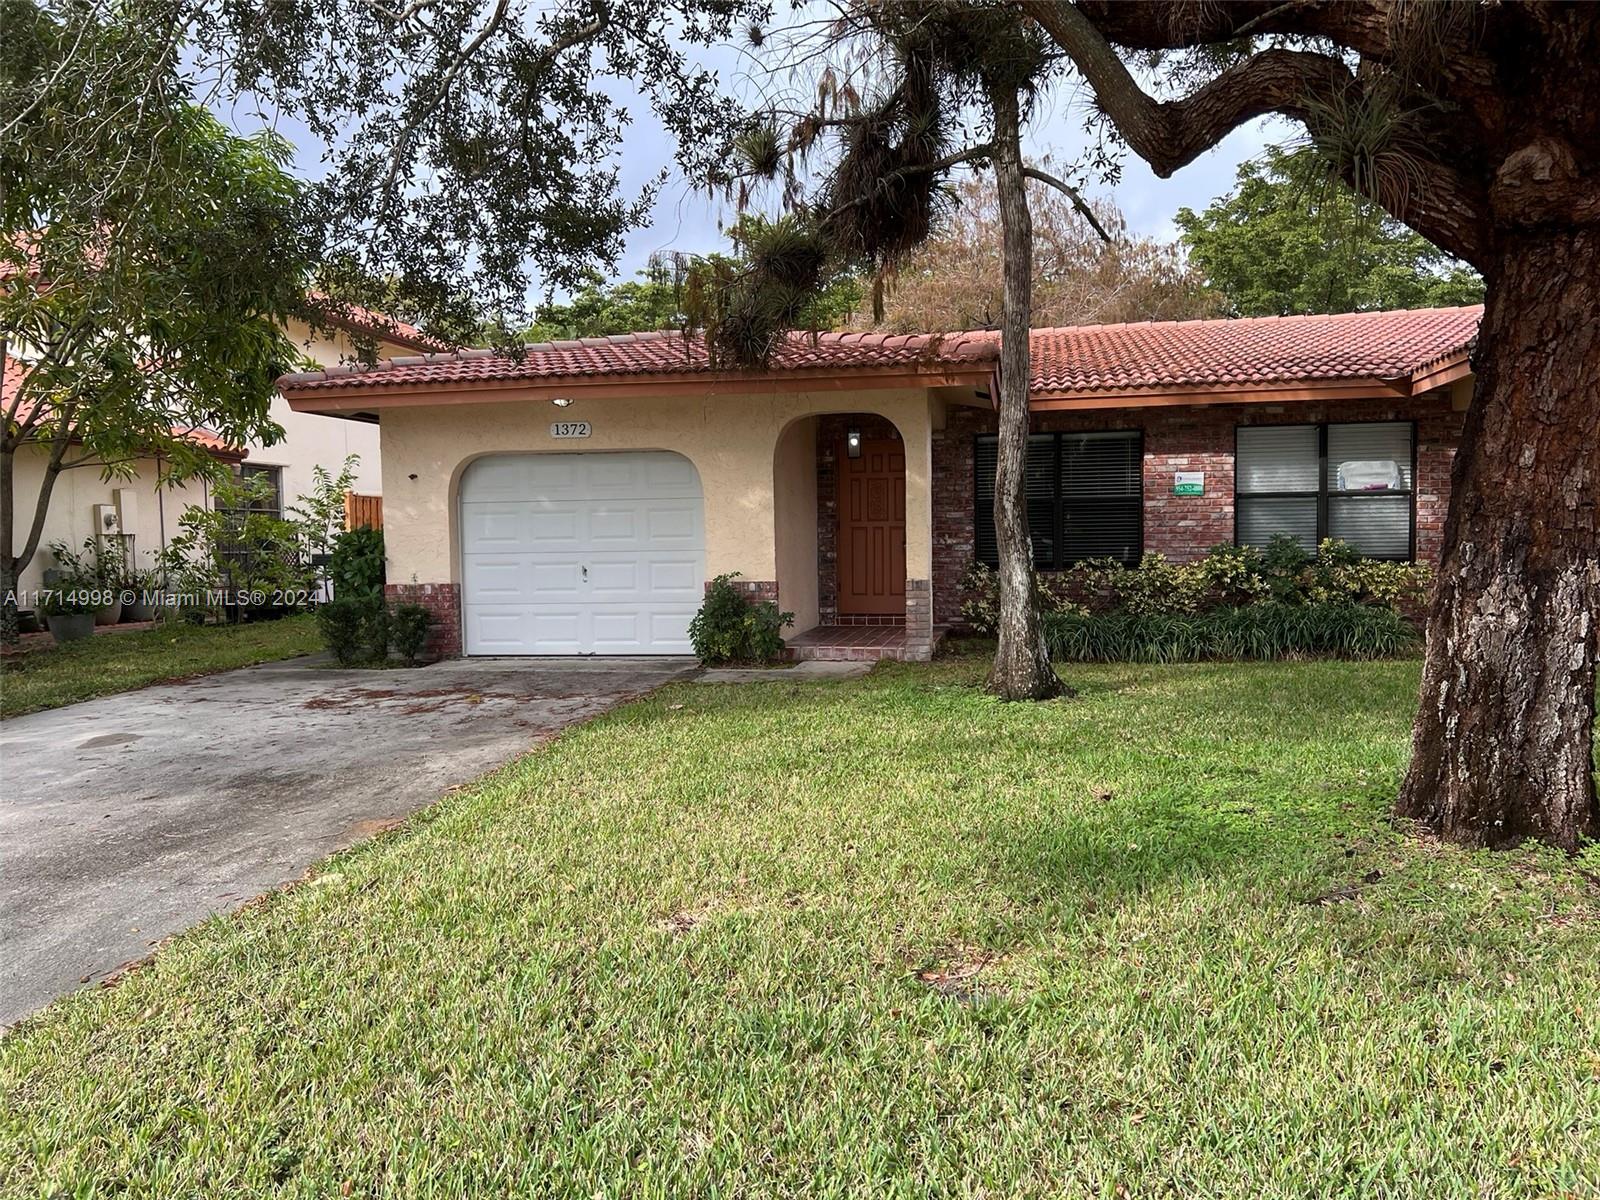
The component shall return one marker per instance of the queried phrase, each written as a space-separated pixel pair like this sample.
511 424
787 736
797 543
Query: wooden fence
362 510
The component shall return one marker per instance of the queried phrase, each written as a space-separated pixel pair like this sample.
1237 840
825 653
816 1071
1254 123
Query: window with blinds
1350 481
1085 497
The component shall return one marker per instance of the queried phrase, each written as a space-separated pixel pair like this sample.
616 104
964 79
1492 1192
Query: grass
883 938
119 662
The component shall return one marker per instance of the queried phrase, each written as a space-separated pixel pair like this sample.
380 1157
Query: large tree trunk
1503 744
1022 669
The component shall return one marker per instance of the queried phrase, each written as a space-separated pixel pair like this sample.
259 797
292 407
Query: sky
686 219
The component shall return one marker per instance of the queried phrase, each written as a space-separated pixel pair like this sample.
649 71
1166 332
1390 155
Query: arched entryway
861 520
843 522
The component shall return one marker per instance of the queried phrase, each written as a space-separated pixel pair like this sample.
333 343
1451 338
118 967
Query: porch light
561 401
852 443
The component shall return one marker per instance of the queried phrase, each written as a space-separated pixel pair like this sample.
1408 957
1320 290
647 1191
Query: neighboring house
576 499
147 515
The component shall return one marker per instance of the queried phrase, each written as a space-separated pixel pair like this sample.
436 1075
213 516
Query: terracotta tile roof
350 315
1076 360
16 371
665 352
1245 351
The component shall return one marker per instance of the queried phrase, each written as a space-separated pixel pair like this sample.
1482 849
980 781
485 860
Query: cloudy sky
687 220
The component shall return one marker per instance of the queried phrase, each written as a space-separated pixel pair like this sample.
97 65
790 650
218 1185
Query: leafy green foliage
237 546
731 628
354 630
475 148
1270 630
1228 578
356 566
1289 239
356 623
600 308
408 630
148 256
320 513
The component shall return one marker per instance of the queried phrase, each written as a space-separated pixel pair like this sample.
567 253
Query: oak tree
1476 126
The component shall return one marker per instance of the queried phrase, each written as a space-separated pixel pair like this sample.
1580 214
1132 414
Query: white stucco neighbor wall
311 440
149 513
744 446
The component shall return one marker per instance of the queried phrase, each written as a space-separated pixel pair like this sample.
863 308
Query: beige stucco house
575 499
147 515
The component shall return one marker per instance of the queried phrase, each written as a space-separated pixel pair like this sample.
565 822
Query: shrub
1269 630
342 624
408 629
1227 577
731 628
356 567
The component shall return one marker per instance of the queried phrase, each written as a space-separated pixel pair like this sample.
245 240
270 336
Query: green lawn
878 938
119 662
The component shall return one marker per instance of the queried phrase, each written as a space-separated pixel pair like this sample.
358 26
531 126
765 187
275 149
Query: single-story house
145 514
576 498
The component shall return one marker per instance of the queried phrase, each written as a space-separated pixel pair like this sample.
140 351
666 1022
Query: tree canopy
1290 239
955 279
665 292
148 260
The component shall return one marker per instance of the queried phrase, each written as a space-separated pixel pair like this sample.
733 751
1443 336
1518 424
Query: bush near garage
1236 602
732 628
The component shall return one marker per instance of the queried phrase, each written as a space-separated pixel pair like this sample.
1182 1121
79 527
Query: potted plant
28 621
71 596
110 576
144 585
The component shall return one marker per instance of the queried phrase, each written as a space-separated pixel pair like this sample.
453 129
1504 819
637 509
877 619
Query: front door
872 530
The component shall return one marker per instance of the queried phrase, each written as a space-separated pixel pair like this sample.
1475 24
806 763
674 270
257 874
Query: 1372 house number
570 429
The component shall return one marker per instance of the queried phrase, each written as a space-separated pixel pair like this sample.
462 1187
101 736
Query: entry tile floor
851 643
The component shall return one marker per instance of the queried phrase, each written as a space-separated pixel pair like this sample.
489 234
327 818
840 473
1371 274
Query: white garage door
581 553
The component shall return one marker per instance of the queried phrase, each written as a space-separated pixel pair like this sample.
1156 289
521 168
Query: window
1085 497
1349 481
252 473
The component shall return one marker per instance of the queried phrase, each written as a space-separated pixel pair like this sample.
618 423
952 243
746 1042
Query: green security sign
1189 483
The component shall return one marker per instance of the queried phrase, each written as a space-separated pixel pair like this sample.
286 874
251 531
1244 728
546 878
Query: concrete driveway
126 819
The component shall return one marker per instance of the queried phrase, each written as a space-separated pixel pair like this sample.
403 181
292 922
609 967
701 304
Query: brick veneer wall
831 431
1180 439
443 600
755 591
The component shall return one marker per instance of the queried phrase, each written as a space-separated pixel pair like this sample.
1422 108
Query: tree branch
1072 194
1300 84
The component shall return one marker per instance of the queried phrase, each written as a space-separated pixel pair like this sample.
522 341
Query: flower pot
28 621
109 614
140 610
70 627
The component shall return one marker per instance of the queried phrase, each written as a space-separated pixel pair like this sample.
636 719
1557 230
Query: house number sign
570 429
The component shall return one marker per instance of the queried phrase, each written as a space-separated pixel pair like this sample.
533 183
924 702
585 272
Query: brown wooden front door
872 530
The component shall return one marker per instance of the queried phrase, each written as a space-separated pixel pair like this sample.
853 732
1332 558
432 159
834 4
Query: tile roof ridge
1441 310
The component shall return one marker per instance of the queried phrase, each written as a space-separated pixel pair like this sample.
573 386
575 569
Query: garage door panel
615 581
615 527
671 476
496 580
531 524
670 628
558 581
673 524
678 578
